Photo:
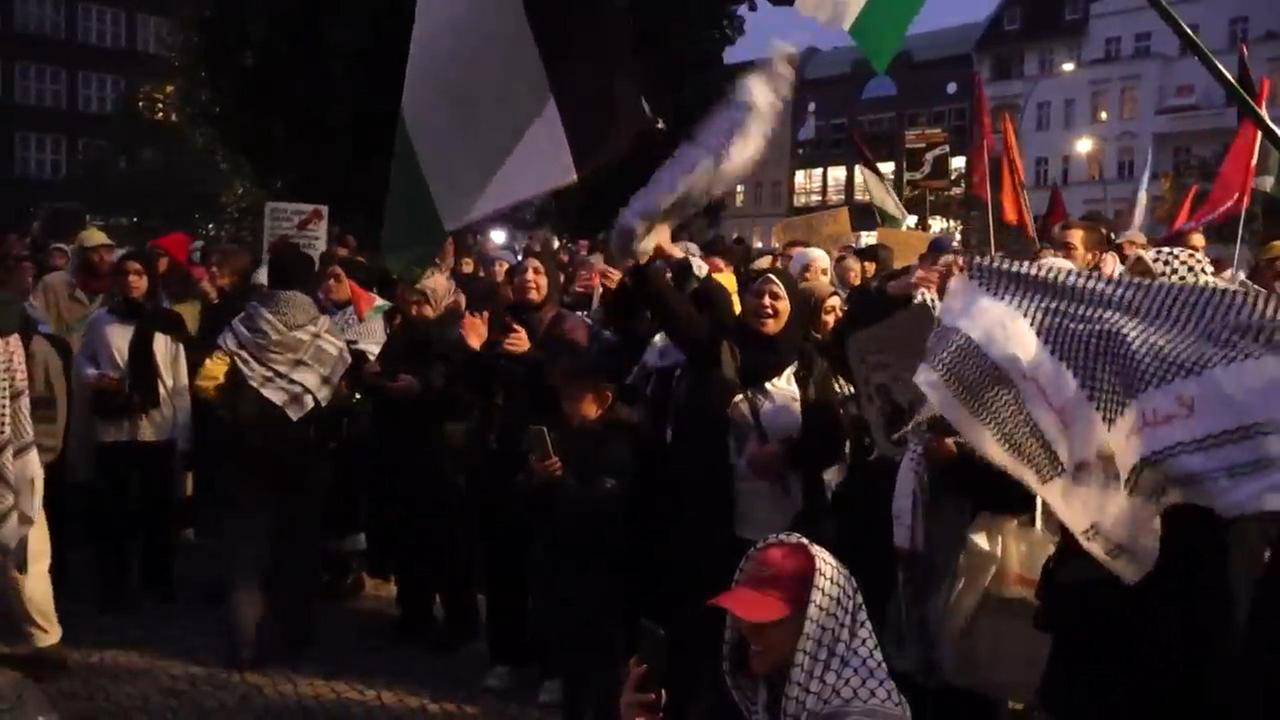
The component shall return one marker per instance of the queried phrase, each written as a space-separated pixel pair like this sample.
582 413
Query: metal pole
991 218
1217 72
1244 210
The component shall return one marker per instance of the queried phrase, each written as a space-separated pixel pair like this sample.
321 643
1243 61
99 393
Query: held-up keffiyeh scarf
838 670
361 323
1114 399
287 351
20 469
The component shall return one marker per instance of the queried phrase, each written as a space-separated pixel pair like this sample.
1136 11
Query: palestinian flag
504 100
889 208
877 26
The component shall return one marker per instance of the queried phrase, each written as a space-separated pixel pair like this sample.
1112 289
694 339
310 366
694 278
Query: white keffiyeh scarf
1114 399
20 469
368 334
288 351
837 668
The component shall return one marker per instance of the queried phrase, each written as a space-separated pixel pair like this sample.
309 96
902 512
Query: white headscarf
804 257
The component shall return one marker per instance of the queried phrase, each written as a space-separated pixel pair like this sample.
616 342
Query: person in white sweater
133 368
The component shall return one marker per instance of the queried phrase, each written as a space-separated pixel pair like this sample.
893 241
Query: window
808 190
758 195
1112 48
1047 66
917 119
837 179
1129 103
100 92
775 193
39 156
1142 44
102 26
958 120
740 196
1012 17
839 131
1074 9
1008 65
1182 163
1042 172
40 17
1237 32
1065 178
878 123
938 118
890 172
40 86
155 34
1183 48
1044 115
1098 106
1124 163
1068 113
1094 159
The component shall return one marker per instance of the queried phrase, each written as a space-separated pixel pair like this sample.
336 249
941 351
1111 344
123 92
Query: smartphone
653 656
539 443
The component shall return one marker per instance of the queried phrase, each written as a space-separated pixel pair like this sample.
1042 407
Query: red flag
983 144
1015 209
1184 212
1234 185
1055 213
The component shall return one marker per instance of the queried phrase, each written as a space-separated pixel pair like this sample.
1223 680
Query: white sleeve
181 395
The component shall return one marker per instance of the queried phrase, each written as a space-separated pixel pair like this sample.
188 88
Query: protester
797 643
230 268
1129 243
57 257
133 366
1082 243
877 262
789 251
810 264
278 368
65 299
847 273
1193 240
178 287
1266 273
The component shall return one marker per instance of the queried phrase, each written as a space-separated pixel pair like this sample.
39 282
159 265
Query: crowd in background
582 441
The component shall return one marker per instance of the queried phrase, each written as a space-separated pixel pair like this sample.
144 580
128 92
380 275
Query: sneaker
500 678
551 693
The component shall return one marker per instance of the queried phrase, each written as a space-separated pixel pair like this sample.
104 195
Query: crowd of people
581 440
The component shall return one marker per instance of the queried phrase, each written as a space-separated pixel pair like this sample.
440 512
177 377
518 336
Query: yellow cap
1270 251
92 238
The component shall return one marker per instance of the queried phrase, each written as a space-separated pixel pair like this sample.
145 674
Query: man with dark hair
789 251
1193 240
1082 243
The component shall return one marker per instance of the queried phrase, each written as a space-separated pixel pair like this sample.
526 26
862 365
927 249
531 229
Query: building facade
68 70
760 201
1093 85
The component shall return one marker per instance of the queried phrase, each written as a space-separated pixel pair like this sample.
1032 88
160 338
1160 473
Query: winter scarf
287 351
361 323
441 292
149 317
838 670
1114 399
764 357
535 318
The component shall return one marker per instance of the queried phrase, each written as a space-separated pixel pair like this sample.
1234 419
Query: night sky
786 24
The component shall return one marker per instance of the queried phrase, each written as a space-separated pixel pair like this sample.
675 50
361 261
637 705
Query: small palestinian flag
878 26
504 100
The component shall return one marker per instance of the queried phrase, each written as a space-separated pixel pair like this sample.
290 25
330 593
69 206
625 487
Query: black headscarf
534 318
764 357
149 317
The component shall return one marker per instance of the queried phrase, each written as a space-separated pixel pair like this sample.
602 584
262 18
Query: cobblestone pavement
166 662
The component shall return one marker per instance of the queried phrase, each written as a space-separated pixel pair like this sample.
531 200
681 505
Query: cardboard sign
828 229
303 223
907 245
883 360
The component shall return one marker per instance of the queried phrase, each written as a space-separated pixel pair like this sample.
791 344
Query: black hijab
149 316
764 357
534 317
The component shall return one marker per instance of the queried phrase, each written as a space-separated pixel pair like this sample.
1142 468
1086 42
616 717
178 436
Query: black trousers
434 550
137 504
506 542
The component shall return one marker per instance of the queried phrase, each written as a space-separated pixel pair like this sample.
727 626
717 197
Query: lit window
155 34
40 86
1142 44
808 188
1124 163
102 26
1068 113
890 172
1074 9
1042 172
1098 106
740 196
100 93
40 17
39 156
1112 48
1044 115
1238 32
1012 17
837 179
1129 103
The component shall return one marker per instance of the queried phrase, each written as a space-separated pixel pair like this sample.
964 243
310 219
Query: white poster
305 224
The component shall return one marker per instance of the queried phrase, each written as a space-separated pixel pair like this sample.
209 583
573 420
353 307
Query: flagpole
1244 206
991 217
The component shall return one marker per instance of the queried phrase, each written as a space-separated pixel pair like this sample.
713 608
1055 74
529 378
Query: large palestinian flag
504 100
878 26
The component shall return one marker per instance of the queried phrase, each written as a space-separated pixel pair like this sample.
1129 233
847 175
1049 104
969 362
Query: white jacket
105 349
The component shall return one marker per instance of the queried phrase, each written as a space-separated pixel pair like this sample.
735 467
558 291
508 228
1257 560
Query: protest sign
303 223
828 229
883 360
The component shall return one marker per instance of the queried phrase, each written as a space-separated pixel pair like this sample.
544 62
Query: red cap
775 584
176 245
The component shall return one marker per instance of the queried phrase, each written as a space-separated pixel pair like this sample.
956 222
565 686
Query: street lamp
1086 146
1069 66
498 236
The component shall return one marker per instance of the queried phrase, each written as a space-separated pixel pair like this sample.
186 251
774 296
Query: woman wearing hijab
133 366
417 396
767 402
811 264
511 356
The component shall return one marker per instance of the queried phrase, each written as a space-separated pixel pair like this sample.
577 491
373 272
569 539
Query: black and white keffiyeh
1114 399
20 468
288 351
838 670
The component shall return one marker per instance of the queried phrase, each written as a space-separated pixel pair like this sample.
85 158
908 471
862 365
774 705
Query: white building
1112 72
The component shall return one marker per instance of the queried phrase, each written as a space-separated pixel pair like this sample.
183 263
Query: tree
310 98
